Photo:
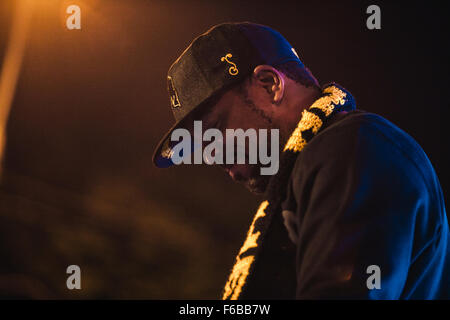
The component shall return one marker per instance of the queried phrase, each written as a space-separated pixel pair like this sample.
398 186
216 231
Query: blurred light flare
12 63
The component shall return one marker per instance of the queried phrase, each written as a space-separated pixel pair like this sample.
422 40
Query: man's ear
270 79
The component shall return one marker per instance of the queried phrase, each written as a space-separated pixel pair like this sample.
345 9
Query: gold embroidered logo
242 266
166 151
173 96
233 70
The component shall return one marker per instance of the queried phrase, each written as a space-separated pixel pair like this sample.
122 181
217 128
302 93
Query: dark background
78 183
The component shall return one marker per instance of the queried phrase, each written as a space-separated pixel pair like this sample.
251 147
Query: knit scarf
265 264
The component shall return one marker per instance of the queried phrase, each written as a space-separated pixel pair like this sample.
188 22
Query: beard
251 178
257 185
254 181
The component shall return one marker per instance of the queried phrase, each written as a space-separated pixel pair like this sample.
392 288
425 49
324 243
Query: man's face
241 109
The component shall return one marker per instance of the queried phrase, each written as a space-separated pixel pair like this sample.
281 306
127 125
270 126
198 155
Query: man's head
270 92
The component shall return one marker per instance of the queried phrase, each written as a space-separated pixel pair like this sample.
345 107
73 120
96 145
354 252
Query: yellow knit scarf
310 124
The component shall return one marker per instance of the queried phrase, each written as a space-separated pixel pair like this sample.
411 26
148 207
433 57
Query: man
355 210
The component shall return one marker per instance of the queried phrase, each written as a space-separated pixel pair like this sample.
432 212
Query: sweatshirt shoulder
359 118
364 135
364 127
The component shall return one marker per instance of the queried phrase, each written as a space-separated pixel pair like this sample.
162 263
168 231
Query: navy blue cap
224 55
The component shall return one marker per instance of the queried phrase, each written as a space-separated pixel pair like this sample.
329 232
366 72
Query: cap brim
162 153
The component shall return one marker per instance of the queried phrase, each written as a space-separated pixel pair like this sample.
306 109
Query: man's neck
302 99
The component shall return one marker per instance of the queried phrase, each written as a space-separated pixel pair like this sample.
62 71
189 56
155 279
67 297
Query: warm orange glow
13 62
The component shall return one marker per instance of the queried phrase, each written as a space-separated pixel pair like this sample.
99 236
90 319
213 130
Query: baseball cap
222 56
